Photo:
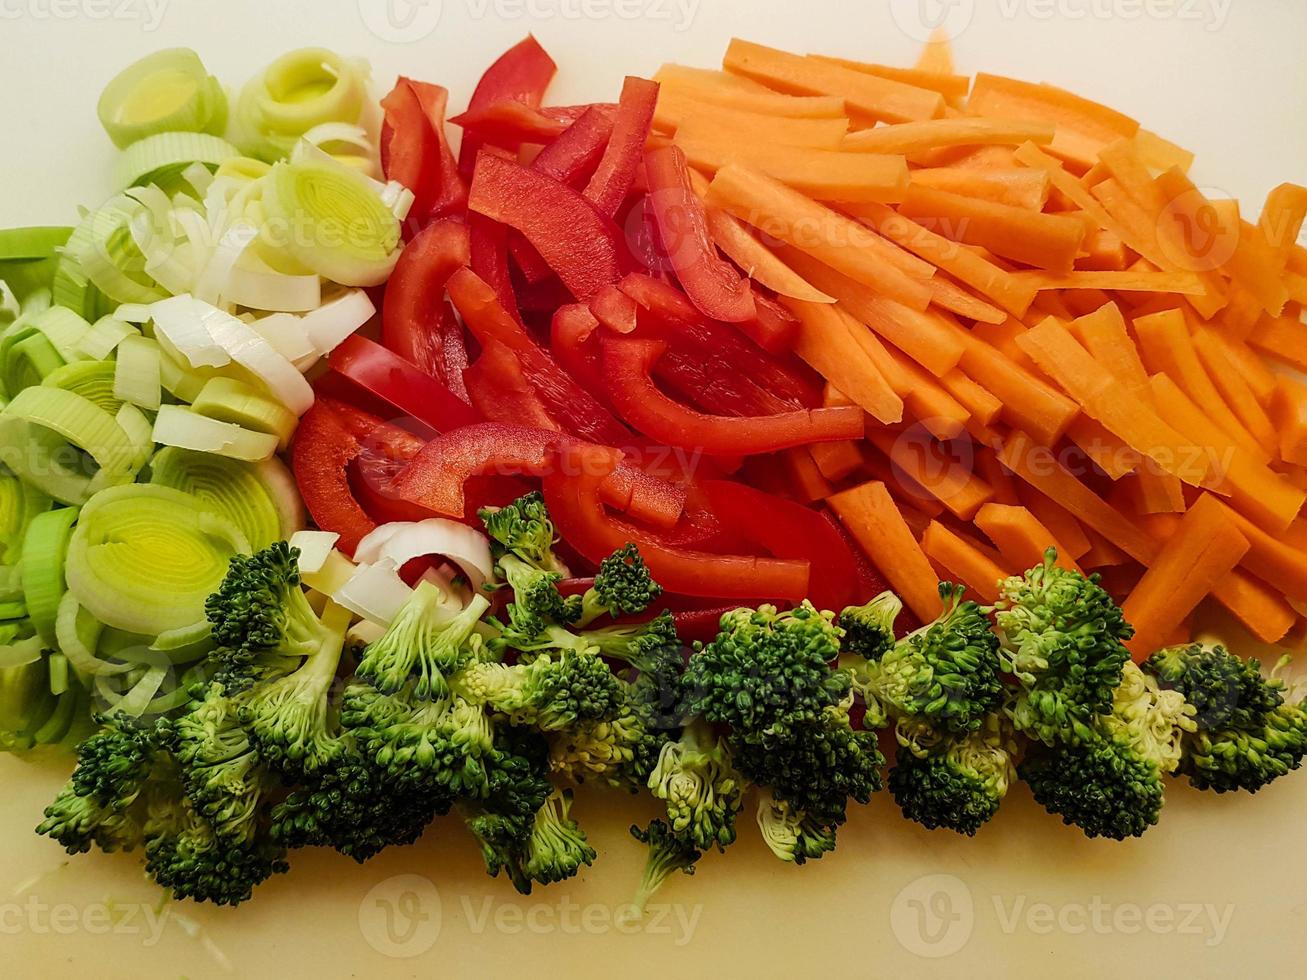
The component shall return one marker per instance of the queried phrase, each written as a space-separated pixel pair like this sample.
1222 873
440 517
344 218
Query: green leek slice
44 549
229 400
63 328
79 633
143 558
24 244
93 380
229 488
300 90
168 91
136 378
20 503
178 426
160 158
109 256
104 337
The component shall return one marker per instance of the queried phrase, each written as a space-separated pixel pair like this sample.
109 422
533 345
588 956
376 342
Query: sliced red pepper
571 113
713 284
645 245
572 493
521 74
449 196
489 259
571 406
393 379
500 391
614 309
574 342
785 529
577 152
321 454
454 345
415 152
773 328
616 173
577 241
627 362
413 323
510 124
530 263
437 476
870 581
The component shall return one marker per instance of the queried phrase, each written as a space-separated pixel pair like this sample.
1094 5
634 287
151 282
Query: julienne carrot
946 83
1289 419
827 343
953 484
871 516
836 460
682 114
1236 392
1065 529
734 92
909 138
1019 188
964 562
1019 535
1206 547
826 175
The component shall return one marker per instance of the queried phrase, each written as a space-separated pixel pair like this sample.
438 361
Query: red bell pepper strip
489 260
571 113
627 363
616 173
500 391
454 346
450 193
521 74
572 493
574 342
321 454
773 328
413 323
713 284
570 405
614 309
509 124
415 152
577 241
870 582
578 150
393 379
436 477
786 529
530 263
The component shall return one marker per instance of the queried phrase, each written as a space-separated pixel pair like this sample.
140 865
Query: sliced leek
160 158
44 549
104 337
136 378
143 558
178 426
227 487
229 400
63 328
297 92
25 244
93 380
168 91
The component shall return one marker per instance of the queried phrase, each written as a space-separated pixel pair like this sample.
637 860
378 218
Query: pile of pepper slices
560 316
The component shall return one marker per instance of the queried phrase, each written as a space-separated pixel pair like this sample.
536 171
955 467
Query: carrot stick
982 405
918 507
1289 417
825 340
836 460
996 475
1275 558
1254 266
945 83
824 174
964 561
878 98
952 483
831 238
1154 492
687 117
949 296
1185 283
1104 554
1250 365
1047 241
1236 392
1020 537
1261 495
870 515
1162 154
937 54
1040 468
1057 519
908 138
1283 338
808 481
1104 251
1018 188
930 404
1206 548
1105 449
1105 335
742 95
1261 609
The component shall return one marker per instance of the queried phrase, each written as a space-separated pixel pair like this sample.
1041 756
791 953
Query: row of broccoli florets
495 709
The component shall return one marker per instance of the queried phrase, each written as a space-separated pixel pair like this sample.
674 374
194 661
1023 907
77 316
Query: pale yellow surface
1218 890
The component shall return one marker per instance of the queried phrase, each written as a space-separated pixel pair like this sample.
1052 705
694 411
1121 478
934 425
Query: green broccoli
959 783
524 529
1063 639
790 834
623 586
621 752
557 848
669 852
1109 780
869 630
697 781
554 691
262 621
426 642
1248 734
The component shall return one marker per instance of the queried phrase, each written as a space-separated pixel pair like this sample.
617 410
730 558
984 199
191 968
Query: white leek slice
400 542
264 289
315 547
335 572
105 335
178 320
375 592
285 332
332 323
133 313
163 155
136 376
63 328
247 348
212 282
178 426
167 91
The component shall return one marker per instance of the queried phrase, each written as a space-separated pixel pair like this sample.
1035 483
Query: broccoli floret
1063 639
1109 783
557 848
262 620
789 833
552 692
623 586
696 779
1248 734
621 752
425 642
102 803
869 630
523 528
960 783
669 852
944 676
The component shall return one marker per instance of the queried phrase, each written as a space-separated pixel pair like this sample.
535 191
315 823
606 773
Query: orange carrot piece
1275 558
982 405
918 507
1283 338
945 83
942 415
964 561
1104 554
840 242
1236 392
1104 251
1105 335
832 397
963 264
1155 492
742 95
1018 188
1057 519
1020 537
1281 222
1260 494
1250 365
808 481
1185 283
1168 349
1083 127
868 95
836 460
914 137
1255 266
870 515
937 54
1289 417
689 118
824 174
1103 448
953 484
996 475
1206 548
949 296
1047 241
1039 467
825 341
1161 154
1261 609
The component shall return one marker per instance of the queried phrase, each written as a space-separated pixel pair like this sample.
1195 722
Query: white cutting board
1218 890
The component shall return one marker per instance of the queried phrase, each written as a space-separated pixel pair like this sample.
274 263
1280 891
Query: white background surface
1225 79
